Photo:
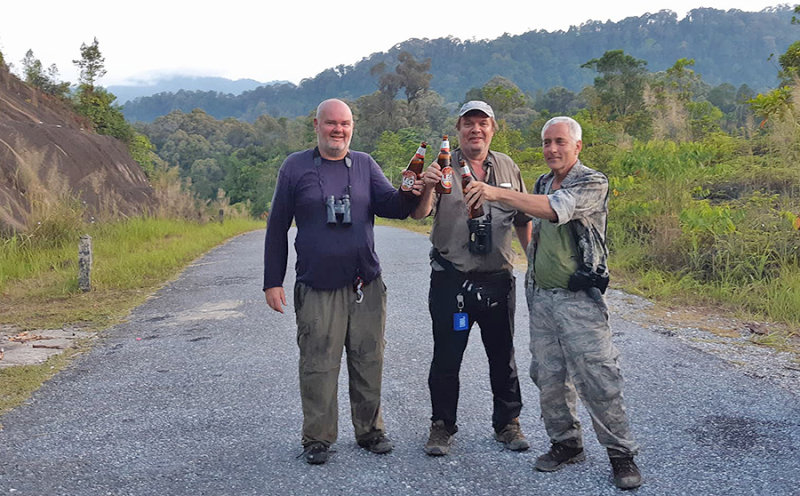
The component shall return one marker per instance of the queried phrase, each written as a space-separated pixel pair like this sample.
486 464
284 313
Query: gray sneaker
439 441
558 456
512 437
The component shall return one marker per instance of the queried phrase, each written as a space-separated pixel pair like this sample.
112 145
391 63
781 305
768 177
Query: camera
586 278
338 210
480 235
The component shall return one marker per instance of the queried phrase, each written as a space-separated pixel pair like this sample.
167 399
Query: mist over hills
728 47
125 93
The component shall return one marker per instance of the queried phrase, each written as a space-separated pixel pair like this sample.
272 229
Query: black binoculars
338 210
586 278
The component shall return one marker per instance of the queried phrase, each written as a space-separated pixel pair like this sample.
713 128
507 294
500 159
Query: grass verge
132 259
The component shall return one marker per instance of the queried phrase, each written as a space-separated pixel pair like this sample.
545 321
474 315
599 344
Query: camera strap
318 165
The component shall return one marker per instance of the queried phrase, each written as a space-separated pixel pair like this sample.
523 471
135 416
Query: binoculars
338 210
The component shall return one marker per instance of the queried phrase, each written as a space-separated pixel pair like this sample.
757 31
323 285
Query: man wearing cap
473 282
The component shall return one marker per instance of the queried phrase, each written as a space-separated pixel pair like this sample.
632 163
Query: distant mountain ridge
125 93
728 47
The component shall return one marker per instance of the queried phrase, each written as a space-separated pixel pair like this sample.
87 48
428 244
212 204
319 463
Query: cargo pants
573 355
497 333
329 321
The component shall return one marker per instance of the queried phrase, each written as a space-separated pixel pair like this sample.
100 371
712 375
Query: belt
478 276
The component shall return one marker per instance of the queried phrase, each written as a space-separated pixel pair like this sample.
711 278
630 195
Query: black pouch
584 278
480 235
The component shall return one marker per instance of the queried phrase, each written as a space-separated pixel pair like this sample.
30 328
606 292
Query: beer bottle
466 178
414 169
446 184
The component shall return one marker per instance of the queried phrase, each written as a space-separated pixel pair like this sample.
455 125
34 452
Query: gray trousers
329 321
573 355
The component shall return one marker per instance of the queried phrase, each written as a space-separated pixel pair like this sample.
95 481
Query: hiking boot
558 456
439 441
512 437
626 473
315 453
377 444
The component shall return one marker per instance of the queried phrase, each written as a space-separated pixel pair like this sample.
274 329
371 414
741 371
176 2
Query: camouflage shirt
583 197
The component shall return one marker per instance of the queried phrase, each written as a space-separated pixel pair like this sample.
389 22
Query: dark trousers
497 333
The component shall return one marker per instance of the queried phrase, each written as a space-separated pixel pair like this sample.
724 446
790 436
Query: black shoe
626 473
439 440
558 456
315 453
377 444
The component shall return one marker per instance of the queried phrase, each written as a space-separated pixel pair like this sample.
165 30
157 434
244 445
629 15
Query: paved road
197 395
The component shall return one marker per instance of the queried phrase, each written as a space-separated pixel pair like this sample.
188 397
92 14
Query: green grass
130 259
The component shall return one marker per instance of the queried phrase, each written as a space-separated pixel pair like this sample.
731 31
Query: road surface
197 394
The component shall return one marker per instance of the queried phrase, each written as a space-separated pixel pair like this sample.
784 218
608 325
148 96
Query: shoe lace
511 432
623 465
558 450
439 433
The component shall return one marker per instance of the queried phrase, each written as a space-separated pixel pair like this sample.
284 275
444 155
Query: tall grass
708 221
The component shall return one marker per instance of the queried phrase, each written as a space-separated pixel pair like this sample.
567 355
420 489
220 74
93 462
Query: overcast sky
280 40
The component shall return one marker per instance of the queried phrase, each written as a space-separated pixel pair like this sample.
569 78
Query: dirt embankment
48 153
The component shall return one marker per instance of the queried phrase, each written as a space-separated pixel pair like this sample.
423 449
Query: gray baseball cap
476 105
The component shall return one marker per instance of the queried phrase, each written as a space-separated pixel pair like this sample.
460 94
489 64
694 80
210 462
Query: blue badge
460 321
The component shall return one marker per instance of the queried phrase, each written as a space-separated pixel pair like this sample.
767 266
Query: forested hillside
727 46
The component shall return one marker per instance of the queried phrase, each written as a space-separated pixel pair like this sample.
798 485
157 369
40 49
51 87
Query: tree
723 97
790 64
559 101
414 76
621 84
107 118
91 64
682 80
501 93
410 75
620 90
47 82
32 69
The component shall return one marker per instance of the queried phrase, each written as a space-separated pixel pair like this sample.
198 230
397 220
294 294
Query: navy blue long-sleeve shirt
328 257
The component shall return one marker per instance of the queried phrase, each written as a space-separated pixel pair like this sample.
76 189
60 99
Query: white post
85 263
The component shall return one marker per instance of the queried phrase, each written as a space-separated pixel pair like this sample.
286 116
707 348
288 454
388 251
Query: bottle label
447 177
408 180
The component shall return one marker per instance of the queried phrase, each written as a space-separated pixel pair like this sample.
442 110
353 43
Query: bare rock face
48 153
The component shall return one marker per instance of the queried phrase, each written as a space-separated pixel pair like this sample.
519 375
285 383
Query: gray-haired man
570 337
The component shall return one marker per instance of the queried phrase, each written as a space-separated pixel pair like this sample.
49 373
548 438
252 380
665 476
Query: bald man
333 194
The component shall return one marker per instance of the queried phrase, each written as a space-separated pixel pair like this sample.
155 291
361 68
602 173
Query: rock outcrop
48 154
